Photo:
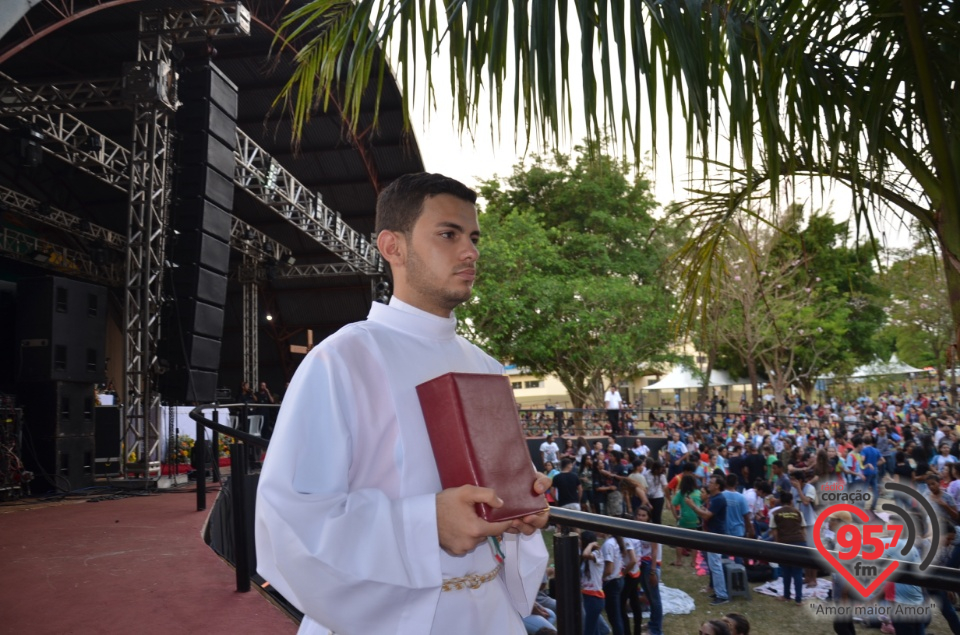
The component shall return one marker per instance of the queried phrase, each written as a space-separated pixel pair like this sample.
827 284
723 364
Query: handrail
238 477
568 620
246 437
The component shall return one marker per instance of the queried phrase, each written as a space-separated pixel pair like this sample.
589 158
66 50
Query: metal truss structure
34 250
249 274
45 213
257 172
264 178
148 88
149 196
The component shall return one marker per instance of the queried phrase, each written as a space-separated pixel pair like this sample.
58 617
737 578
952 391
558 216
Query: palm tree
866 92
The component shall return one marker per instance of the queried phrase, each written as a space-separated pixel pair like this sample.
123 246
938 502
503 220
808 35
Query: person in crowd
714 516
872 464
629 598
612 550
942 502
591 582
907 597
613 403
353 401
246 395
789 528
656 489
687 518
755 464
738 623
567 488
943 460
738 512
781 482
714 627
264 396
583 449
649 580
676 451
586 475
549 450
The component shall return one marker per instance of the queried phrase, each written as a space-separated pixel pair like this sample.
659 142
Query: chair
254 424
736 578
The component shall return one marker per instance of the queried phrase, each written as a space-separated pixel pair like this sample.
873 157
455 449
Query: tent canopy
879 368
681 377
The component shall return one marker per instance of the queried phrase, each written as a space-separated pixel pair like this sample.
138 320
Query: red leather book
476 436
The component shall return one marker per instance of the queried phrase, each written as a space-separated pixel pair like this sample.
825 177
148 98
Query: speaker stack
61 332
192 322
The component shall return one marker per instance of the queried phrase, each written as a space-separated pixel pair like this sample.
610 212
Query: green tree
862 91
790 302
919 317
571 278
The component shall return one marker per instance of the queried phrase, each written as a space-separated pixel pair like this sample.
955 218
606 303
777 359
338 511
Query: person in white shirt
352 524
549 450
612 551
612 402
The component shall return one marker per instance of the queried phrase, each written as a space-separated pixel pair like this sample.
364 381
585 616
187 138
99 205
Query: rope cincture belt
472 581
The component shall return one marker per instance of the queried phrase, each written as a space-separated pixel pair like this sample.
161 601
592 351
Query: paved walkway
115 567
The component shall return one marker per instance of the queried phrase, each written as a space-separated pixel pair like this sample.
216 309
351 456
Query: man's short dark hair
400 203
732 480
565 461
786 497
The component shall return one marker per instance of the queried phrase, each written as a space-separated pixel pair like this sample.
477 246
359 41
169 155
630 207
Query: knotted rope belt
472 581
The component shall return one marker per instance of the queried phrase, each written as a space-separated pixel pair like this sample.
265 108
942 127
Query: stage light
288 259
92 144
40 256
269 317
31 146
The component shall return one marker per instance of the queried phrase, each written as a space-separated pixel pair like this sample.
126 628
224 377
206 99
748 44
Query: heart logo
864 591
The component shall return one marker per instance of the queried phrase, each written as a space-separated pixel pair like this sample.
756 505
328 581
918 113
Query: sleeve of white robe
354 561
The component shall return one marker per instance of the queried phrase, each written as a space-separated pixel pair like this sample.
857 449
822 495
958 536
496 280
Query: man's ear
392 247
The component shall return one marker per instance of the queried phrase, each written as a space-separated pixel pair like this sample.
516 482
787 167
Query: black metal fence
566 542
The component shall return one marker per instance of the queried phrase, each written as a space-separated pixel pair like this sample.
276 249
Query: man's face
440 256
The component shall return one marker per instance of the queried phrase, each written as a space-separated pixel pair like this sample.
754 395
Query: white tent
681 377
879 368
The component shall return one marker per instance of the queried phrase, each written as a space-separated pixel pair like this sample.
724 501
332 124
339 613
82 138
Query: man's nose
471 252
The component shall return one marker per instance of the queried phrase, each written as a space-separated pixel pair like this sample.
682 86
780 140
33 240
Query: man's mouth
467 274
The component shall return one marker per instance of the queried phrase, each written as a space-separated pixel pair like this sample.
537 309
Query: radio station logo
861 547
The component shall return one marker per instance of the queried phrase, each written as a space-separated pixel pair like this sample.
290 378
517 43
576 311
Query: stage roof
62 42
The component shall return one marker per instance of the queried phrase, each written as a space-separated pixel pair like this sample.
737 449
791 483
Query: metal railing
567 556
566 543
239 476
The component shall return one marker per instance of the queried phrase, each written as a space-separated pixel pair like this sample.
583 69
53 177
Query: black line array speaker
61 330
59 425
192 322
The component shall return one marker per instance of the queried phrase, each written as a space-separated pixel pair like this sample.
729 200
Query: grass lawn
767 615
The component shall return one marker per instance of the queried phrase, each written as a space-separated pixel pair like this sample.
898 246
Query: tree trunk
754 381
950 251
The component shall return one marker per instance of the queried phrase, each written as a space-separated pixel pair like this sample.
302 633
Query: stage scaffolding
143 171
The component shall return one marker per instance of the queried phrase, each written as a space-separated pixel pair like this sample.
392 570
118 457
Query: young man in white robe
352 526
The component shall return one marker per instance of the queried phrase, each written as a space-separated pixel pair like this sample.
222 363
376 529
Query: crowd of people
757 475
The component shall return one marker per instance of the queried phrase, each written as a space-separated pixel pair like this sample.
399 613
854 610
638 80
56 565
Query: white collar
407 318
